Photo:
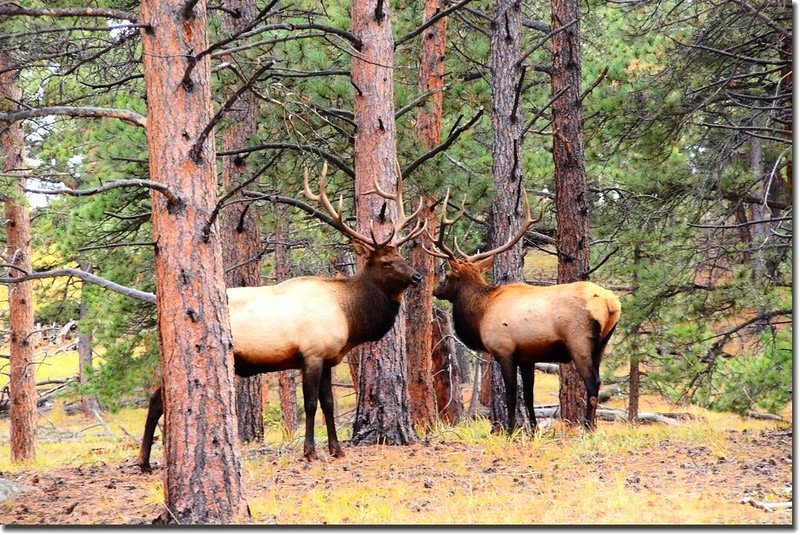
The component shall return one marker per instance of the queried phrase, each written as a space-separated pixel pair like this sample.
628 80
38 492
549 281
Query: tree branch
86 277
88 111
433 20
419 100
194 153
307 208
15 11
293 146
442 146
172 199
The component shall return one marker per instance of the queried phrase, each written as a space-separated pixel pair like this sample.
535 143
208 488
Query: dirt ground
451 482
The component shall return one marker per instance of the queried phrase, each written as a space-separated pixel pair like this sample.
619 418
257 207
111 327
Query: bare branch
293 146
87 111
172 199
433 20
442 146
86 277
16 11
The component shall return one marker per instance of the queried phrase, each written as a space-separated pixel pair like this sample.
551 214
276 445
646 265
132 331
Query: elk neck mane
468 310
370 310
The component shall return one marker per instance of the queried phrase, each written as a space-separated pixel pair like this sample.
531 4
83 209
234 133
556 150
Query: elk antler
337 215
520 233
402 218
447 253
445 222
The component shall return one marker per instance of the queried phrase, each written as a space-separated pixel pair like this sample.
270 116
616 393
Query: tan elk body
310 323
520 324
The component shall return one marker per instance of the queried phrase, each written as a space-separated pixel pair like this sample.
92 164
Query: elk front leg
509 370
326 402
312 374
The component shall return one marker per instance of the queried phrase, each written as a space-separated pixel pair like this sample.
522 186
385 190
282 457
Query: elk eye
387 264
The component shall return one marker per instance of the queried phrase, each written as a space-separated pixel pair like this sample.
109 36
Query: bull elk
310 323
520 324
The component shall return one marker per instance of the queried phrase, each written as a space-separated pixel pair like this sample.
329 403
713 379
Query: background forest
687 134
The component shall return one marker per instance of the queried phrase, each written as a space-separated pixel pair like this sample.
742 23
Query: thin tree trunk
382 408
22 386
634 372
419 299
449 400
287 383
572 214
506 212
203 469
89 404
239 226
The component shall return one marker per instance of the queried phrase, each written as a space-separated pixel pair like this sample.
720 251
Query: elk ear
361 249
485 264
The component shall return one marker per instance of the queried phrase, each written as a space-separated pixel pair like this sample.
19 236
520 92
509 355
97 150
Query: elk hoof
310 454
336 450
498 429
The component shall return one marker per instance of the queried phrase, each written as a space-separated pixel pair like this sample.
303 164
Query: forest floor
701 472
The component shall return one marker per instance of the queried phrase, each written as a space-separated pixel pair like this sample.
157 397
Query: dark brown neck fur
469 306
370 310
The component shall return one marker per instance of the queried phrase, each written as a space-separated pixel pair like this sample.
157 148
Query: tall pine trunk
287 382
239 226
203 475
446 381
419 299
22 386
382 407
572 214
505 216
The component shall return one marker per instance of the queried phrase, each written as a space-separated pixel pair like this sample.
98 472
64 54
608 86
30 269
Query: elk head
383 263
470 268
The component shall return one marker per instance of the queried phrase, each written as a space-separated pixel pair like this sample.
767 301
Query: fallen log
763 416
766 506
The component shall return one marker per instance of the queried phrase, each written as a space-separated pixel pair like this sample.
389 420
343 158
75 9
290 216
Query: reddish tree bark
22 386
419 299
203 470
634 372
572 213
382 407
239 226
287 382
506 215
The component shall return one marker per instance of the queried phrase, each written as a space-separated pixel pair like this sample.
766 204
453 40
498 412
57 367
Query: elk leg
591 380
312 374
509 370
526 370
326 402
154 411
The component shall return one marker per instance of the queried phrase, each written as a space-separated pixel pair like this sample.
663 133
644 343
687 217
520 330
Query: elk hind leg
155 409
588 367
326 402
526 370
312 375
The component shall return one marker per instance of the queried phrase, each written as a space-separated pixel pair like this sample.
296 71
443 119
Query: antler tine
438 242
418 229
322 198
520 233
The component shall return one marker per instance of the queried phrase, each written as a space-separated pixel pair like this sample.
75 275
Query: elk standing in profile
520 324
310 323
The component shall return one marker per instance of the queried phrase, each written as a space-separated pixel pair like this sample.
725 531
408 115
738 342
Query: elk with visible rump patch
520 324
310 323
